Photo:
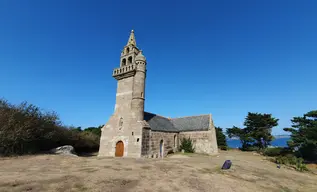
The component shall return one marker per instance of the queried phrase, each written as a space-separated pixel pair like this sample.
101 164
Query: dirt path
197 173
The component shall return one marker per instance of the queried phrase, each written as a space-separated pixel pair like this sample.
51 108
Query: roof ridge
191 116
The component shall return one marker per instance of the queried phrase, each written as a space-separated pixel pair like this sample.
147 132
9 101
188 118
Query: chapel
132 132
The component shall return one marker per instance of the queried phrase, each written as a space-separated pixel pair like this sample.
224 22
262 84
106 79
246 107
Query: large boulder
64 150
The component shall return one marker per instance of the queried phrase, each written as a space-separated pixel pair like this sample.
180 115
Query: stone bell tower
122 134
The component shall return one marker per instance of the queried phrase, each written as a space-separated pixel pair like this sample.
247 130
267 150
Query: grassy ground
249 172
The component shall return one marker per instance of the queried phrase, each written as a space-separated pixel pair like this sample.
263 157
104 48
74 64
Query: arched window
124 62
128 50
129 60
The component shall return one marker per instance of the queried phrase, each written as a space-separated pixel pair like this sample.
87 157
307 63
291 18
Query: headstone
226 165
183 151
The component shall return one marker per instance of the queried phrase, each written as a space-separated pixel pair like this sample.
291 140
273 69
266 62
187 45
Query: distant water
280 142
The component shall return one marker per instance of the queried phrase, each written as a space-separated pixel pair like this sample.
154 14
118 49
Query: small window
132 133
137 140
128 50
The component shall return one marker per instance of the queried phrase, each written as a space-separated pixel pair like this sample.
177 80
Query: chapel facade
132 132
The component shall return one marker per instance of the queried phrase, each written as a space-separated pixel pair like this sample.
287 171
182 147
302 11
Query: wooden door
119 149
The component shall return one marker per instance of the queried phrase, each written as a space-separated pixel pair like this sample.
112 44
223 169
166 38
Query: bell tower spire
129 52
131 40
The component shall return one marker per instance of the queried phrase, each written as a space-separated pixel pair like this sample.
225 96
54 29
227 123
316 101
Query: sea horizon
277 142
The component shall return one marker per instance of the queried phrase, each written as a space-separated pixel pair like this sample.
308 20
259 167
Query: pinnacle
131 40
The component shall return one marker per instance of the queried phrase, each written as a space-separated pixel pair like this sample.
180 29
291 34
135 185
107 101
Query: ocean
280 142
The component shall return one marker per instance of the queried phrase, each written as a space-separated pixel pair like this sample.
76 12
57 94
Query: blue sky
226 58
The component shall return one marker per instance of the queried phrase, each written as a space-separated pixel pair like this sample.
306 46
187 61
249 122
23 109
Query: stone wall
204 141
124 96
130 134
146 136
170 143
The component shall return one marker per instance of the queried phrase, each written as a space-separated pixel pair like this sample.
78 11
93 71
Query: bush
250 148
25 129
221 138
291 160
225 148
187 145
273 152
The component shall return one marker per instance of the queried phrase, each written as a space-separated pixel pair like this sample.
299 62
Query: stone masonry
131 132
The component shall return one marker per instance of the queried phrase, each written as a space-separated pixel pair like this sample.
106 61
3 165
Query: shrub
221 138
250 148
291 160
187 145
225 148
26 129
272 152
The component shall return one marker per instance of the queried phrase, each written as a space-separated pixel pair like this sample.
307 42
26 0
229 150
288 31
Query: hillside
249 172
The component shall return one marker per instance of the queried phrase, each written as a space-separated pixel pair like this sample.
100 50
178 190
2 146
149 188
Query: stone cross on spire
131 40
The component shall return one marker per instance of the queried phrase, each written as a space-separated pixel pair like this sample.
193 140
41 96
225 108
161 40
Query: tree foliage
25 128
257 130
259 127
244 137
304 135
221 139
94 130
187 145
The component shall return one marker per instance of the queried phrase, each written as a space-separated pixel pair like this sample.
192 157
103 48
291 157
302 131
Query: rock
64 150
227 164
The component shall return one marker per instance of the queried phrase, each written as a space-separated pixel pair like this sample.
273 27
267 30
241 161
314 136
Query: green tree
221 139
24 128
304 135
244 136
258 127
94 130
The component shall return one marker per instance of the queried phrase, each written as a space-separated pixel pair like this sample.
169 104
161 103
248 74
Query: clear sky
226 58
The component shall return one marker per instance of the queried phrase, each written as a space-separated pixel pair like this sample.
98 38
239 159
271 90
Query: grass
248 172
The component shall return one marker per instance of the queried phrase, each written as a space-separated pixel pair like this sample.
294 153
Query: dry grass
196 173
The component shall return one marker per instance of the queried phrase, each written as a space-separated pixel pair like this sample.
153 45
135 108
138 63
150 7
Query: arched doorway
161 148
119 149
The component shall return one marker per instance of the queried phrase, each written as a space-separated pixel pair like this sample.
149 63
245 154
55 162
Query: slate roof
159 123
190 123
